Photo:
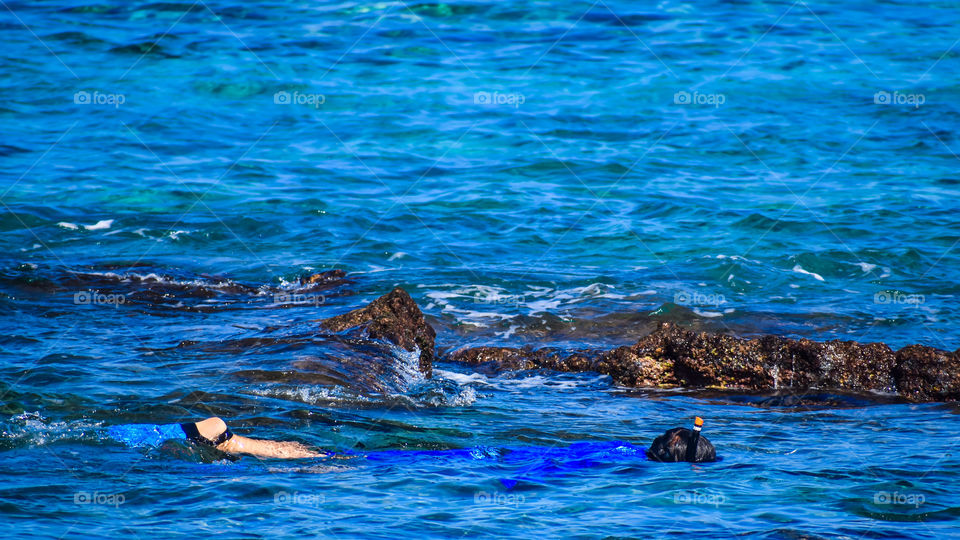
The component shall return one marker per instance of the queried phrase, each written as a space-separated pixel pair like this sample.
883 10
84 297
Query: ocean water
564 174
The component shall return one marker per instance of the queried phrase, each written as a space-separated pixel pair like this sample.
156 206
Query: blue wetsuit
517 455
540 459
145 434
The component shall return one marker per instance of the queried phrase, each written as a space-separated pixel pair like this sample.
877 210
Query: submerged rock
672 356
324 278
395 318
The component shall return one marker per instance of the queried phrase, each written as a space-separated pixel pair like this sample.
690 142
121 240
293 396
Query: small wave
153 278
483 305
442 392
309 394
100 225
437 392
32 429
800 270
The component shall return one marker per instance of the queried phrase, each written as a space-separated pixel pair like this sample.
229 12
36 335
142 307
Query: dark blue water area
566 174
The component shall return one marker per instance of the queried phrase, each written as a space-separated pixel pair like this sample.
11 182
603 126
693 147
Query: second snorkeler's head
672 446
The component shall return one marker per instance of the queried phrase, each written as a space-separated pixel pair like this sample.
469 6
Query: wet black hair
672 446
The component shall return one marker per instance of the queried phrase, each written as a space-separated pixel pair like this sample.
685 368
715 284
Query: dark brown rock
328 276
496 359
927 374
632 368
394 317
674 356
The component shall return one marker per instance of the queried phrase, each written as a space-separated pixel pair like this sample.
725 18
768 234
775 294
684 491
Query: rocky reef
394 318
672 356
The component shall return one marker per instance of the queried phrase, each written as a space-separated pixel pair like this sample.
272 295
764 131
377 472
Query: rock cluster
672 356
395 318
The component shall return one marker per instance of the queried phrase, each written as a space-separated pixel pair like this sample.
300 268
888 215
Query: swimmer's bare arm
211 428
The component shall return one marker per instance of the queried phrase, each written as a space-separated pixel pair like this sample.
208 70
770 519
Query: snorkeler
677 444
211 432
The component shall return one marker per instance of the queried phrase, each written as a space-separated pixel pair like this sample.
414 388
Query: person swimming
682 444
675 445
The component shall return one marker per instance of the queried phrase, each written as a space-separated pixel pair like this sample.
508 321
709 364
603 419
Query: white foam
308 394
800 270
462 378
543 305
163 280
866 267
67 225
102 224
509 332
736 258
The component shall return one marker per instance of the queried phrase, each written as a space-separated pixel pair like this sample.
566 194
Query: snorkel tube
694 440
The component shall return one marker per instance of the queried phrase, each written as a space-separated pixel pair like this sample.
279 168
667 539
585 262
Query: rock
927 374
497 359
630 368
673 356
322 278
394 317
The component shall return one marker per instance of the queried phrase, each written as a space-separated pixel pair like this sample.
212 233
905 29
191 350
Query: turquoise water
537 173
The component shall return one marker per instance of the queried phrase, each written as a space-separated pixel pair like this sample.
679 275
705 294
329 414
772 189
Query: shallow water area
547 174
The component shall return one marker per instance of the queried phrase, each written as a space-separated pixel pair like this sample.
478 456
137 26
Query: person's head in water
672 446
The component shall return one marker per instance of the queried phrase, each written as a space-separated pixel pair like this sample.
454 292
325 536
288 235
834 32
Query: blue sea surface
563 174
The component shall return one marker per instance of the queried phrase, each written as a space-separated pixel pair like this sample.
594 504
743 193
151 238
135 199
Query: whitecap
102 224
68 225
800 270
